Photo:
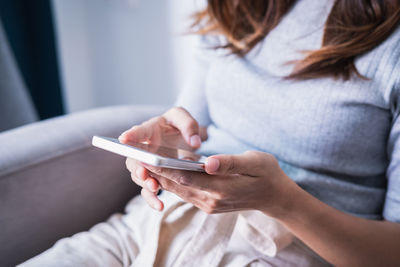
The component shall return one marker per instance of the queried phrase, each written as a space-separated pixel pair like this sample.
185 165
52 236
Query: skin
254 181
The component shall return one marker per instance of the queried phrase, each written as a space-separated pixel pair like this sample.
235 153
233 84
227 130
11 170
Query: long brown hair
352 28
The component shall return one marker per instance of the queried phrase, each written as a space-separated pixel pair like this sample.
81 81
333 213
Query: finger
140 175
149 184
136 180
136 134
195 180
140 133
250 163
152 200
200 199
132 166
136 169
152 185
181 119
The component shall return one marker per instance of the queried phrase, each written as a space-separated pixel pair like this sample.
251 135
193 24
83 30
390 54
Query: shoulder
391 67
391 51
384 57
381 66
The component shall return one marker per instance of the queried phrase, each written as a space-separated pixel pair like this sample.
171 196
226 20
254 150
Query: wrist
291 198
299 208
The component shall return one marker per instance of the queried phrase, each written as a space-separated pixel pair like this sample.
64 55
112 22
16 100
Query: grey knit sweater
339 140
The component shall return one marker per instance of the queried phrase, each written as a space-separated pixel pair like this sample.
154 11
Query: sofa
54 183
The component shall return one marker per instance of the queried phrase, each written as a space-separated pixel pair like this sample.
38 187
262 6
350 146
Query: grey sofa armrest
53 183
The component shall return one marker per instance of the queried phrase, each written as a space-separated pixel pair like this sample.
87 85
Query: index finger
141 133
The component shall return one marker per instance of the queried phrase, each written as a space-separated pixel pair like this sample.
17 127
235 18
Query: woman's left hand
252 180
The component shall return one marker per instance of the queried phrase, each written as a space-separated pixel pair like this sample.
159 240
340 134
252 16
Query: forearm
340 238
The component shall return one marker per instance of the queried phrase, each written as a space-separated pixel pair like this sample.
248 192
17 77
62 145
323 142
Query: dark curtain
30 31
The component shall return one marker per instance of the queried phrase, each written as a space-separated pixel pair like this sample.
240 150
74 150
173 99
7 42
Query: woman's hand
252 180
175 128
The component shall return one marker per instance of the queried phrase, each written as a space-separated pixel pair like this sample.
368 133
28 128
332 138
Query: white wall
122 51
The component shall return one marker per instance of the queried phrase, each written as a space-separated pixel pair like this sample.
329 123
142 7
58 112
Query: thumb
250 163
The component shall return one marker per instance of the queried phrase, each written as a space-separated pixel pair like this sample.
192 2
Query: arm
339 238
254 180
345 240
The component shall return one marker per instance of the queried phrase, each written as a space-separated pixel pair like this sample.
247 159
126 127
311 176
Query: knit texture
339 140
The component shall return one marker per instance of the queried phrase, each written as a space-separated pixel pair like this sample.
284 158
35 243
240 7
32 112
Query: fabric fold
264 233
183 234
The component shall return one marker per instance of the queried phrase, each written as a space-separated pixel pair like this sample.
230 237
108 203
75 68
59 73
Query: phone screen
168 152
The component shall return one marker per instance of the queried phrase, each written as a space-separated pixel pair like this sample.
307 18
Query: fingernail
212 164
195 140
121 138
158 206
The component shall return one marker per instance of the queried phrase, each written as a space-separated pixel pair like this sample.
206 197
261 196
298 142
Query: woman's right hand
175 128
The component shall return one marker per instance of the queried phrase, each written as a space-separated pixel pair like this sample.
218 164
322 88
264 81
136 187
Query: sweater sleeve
391 211
192 96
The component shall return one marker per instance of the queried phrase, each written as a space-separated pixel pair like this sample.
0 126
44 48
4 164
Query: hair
352 28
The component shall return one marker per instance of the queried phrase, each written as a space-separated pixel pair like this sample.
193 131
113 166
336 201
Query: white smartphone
153 154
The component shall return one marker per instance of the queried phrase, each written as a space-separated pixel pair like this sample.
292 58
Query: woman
311 90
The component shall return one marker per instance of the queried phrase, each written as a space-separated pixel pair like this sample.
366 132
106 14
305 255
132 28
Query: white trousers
181 235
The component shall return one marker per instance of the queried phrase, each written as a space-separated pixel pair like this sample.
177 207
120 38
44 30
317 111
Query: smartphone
153 154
